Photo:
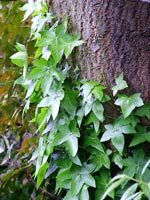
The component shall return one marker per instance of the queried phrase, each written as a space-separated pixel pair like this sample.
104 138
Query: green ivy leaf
76 185
21 58
101 182
72 145
84 193
146 189
129 191
140 138
41 174
70 101
94 142
144 111
128 104
88 179
28 8
93 119
98 92
98 110
118 142
47 38
87 88
37 72
114 184
120 84
115 133
69 42
31 88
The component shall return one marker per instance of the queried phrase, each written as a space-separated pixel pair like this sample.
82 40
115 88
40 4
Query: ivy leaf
118 142
98 92
114 184
94 142
46 83
53 101
87 88
57 51
84 193
61 29
21 58
41 174
99 159
146 189
76 185
115 133
101 182
93 119
98 110
31 88
88 106
37 72
28 8
140 138
76 160
128 104
55 108
88 179
72 145
120 84
62 136
144 111
70 42
129 191
47 38
69 101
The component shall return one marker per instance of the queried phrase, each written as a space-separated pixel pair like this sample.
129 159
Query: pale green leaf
84 193
72 145
113 184
118 142
145 167
55 108
120 84
41 174
20 59
28 8
129 191
88 179
31 88
76 185
128 104
86 89
98 110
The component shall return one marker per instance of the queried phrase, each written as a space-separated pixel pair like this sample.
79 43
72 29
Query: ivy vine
90 155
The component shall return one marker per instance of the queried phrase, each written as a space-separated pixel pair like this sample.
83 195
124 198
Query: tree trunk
116 36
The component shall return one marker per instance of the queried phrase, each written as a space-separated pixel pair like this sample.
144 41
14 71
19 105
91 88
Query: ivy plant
87 154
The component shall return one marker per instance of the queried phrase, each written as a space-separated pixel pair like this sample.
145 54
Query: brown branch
46 193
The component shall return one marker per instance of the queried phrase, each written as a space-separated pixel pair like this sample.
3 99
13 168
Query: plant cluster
86 151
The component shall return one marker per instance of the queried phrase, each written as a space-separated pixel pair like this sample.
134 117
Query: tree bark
116 36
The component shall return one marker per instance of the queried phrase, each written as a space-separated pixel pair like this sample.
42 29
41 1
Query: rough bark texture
116 36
